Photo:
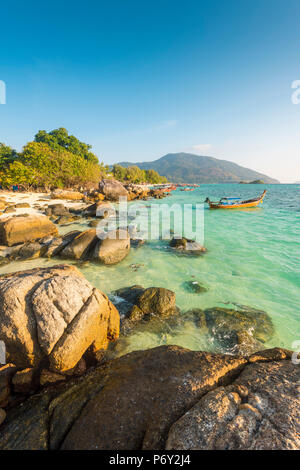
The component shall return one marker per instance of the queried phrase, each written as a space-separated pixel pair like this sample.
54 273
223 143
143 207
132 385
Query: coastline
133 316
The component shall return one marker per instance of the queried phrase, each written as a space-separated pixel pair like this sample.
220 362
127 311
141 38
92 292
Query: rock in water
22 229
112 250
184 245
53 313
145 304
112 189
81 245
239 331
166 397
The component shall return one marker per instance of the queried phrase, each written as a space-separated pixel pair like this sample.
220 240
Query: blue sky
139 79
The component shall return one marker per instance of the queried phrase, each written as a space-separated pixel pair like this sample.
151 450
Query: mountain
190 168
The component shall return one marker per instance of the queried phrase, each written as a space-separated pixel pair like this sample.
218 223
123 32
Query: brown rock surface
2 416
165 397
112 189
15 230
53 313
258 411
81 245
70 195
25 380
112 250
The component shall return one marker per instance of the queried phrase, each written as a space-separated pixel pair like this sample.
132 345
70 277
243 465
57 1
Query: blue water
253 259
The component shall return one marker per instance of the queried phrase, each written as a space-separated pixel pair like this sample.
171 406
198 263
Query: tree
61 138
7 155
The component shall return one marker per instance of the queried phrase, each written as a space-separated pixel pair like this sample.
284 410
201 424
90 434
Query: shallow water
253 259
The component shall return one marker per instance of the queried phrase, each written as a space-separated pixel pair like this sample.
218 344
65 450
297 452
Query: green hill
189 168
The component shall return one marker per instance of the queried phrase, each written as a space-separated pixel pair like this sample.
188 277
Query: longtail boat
235 202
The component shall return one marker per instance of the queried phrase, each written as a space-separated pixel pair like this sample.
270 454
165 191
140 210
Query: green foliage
57 160
60 138
18 173
7 155
43 166
135 175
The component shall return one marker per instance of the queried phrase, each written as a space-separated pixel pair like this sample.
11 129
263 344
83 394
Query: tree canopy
58 160
136 175
60 138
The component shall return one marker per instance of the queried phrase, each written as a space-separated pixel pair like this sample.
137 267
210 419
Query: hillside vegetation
57 159
189 168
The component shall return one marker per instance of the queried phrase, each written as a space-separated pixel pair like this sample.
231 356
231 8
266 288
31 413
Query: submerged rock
145 304
166 397
234 331
195 287
53 313
184 245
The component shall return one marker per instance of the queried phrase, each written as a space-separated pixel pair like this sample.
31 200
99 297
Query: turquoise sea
253 259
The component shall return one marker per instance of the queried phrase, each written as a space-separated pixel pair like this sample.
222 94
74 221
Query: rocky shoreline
62 337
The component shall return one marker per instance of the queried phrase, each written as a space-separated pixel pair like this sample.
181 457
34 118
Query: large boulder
112 249
81 246
112 189
54 314
69 195
166 397
258 411
14 230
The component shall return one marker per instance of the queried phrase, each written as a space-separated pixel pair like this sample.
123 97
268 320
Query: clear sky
138 79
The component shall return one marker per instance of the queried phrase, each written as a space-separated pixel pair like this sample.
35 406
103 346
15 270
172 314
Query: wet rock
14 230
234 331
112 189
112 250
195 287
54 314
184 245
145 304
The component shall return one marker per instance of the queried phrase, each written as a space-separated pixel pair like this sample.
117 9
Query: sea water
253 259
